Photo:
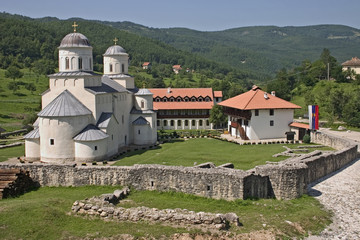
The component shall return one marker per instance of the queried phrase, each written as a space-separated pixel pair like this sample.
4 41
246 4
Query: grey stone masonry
284 180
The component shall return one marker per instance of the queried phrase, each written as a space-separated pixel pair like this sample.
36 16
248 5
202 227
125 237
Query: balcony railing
246 114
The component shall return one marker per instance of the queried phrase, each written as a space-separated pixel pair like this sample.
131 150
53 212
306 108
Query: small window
271 112
80 63
52 141
208 187
256 112
142 104
139 131
111 68
67 63
112 137
152 183
95 148
122 68
271 122
122 119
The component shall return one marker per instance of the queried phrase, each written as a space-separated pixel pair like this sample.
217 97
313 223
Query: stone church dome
75 40
115 50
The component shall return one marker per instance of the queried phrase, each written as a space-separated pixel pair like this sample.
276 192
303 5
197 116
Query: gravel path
339 192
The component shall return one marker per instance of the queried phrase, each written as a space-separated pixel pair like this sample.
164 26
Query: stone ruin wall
284 180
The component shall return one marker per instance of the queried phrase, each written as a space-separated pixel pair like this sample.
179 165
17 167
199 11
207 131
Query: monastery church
86 116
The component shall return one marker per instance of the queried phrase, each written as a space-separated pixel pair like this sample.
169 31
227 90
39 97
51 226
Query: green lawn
10 152
201 150
43 214
15 106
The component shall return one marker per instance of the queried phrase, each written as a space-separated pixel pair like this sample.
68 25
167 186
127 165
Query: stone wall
284 180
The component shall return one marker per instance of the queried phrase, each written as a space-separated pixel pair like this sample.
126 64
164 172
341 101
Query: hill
32 42
261 49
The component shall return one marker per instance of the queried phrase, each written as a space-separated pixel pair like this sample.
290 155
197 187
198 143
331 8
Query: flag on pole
314 117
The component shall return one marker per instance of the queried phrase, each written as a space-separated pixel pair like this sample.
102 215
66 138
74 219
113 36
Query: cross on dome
74 26
115 40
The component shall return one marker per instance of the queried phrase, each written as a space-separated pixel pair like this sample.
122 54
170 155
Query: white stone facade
86 116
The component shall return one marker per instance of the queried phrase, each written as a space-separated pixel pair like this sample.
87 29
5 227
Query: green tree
13 72
217 116
13 86
30 87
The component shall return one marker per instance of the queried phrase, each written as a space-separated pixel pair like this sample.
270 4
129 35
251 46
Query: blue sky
196 14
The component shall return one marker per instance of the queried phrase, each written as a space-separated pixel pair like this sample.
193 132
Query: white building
86 116
184 108
257 115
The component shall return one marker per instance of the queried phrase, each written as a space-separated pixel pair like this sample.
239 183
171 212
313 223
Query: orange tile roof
182 105
254 99
146 63
182 92
177 67
353 62
218 94
299 125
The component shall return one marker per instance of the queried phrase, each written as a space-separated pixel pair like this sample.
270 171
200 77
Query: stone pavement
340 193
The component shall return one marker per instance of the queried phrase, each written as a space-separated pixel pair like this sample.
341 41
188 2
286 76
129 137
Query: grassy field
43 214
11 152
201 150
15 106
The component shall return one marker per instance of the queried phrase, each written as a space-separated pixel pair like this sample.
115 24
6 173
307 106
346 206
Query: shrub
306 138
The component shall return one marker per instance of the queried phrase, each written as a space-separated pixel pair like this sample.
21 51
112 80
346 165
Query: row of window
185 99
80 63
185 112
186 123
122 68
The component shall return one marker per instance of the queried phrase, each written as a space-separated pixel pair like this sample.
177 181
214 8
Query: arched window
172 123
111 68
165 123
186 123
142 104
200 99
186 99
207 123
157 99
178 99
67 63
200 123
193 123
80 63
207 99
179 123
90 65
122 68
164 99
193 99
172 99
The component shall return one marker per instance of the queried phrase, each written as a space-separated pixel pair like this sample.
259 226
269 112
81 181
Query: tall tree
13 72
217 116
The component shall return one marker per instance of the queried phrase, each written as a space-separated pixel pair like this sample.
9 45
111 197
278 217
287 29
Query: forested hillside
33 43
262 49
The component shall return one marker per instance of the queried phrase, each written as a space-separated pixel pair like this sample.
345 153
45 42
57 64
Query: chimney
273 93
169 90
266 96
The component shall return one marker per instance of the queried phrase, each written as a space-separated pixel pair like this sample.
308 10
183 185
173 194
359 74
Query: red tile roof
182 105
353 62
218 94
254 99
146 63
182 92
299 125
177 67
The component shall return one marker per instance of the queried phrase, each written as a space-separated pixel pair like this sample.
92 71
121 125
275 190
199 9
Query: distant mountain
263 49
